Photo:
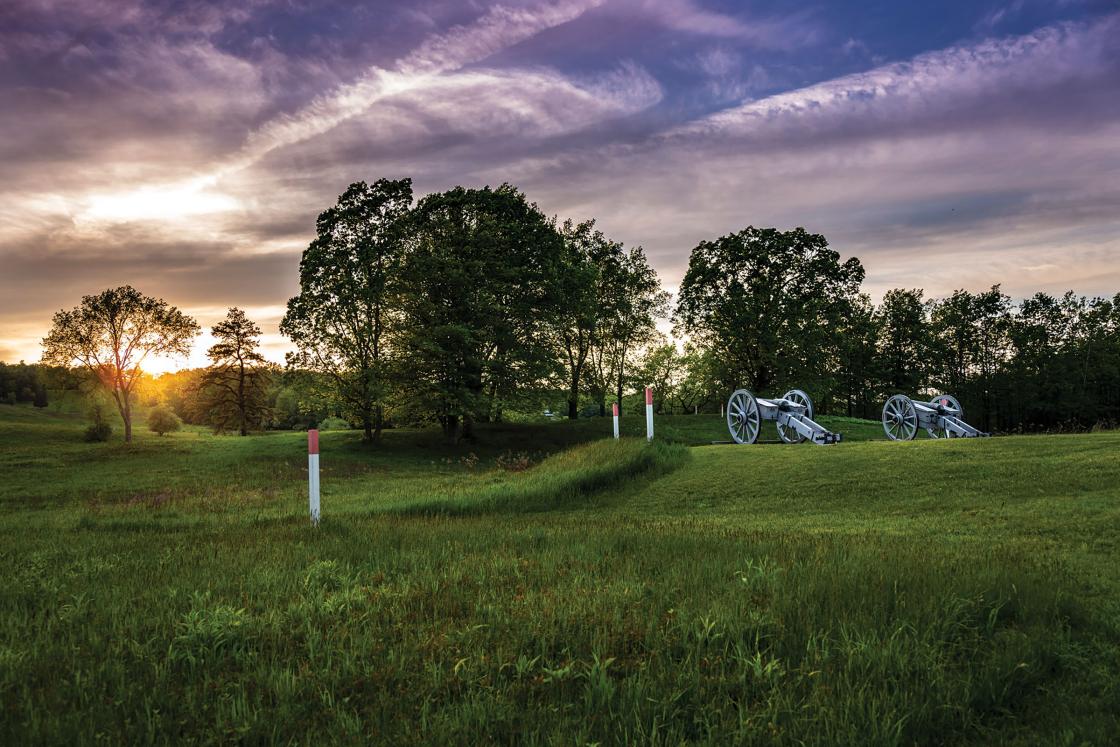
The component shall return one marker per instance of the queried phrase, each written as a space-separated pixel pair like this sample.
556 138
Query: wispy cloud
497 29
993 154
930 83
688 16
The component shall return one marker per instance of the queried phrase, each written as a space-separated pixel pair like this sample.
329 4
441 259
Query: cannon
942 417
792 413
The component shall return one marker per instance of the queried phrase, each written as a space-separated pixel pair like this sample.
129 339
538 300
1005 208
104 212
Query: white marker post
614 407
313 475
649 414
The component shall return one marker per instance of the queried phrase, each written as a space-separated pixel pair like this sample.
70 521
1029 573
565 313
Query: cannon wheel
744 419
945 400
900 419
789 435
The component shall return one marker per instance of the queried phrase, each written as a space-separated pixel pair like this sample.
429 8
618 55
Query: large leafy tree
480 291
233 392
587 301
342 321
630 300
768 304
111 334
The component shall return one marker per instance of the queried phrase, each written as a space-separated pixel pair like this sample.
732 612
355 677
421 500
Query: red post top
649 396
313 442
614 409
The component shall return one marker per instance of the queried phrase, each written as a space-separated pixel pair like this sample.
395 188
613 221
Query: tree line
770 310
469 305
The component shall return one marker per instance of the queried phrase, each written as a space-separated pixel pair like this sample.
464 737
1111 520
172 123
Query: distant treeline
471 305
21 382
773 310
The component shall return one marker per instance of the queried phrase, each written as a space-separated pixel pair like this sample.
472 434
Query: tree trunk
241 405
573 394
367 429
126 414
450 425
378 423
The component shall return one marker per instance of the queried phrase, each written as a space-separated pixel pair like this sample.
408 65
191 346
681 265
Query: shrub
99 428
333 424
97 432
162 421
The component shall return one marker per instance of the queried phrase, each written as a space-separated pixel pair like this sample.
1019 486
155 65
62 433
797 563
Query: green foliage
235 392
98 432
768 304
99 429
609 301
631 300
903 342
161 420
480 286
111 334
343 320
22 382
738 595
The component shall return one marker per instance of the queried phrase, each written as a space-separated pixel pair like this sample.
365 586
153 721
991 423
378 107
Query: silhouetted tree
234 391
112 334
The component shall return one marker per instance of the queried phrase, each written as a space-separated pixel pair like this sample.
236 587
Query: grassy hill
542 586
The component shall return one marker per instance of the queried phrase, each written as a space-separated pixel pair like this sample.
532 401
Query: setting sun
158 203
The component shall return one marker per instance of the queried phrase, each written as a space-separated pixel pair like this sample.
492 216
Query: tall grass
614 593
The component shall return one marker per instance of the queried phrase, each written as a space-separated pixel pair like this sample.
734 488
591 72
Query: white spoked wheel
787 434
743 417
900 419
948 401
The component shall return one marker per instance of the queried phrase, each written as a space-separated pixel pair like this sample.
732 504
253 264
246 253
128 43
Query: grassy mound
563 480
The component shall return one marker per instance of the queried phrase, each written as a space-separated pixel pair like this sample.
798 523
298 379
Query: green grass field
544 585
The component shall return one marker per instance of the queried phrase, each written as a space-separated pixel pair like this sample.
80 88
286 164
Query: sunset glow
188 152
162 204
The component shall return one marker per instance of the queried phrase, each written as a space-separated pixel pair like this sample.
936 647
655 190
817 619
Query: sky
186 147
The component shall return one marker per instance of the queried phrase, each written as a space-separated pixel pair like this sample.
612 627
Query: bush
162 420
333 424
99 429
98 432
